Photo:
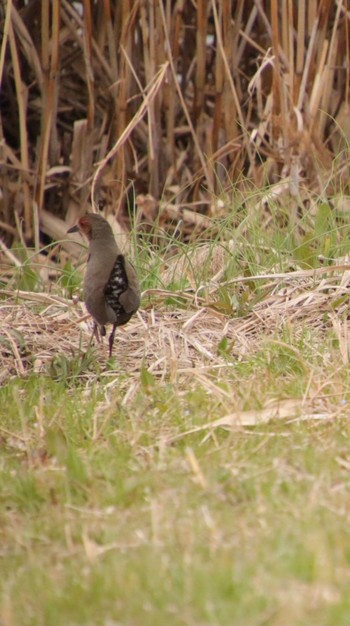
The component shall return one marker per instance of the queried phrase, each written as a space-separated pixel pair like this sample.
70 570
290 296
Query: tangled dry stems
37 328
168 102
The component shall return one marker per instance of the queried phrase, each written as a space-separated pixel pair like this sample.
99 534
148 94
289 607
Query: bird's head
93 226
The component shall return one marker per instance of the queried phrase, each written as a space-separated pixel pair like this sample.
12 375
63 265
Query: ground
198 477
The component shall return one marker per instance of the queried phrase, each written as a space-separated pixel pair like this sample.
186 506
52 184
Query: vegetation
201 475
156 107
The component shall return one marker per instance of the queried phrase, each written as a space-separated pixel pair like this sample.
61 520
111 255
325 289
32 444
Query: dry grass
171 343
206 467
172 101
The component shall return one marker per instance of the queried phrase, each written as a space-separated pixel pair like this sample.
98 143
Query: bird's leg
111 340
97 332
94 334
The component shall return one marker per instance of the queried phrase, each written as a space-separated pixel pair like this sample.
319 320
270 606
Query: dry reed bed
38 328
172 100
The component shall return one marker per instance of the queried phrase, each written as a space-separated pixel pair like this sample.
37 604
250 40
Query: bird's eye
85 226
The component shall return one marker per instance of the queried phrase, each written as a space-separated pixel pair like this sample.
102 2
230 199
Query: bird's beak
73 229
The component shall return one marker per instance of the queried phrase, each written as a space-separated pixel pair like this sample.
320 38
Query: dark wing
116 285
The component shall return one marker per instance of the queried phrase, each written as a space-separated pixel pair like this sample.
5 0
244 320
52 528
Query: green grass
106 519
120 506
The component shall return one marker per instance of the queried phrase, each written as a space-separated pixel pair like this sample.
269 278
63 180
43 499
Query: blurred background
165 108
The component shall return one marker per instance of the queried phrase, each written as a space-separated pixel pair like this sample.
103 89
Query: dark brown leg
94 334
98 332
111 340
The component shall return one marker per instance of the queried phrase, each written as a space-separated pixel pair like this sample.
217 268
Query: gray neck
104 247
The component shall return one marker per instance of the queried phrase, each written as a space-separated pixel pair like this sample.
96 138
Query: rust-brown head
93 226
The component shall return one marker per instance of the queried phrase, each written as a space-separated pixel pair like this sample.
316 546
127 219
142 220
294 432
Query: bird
111 290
